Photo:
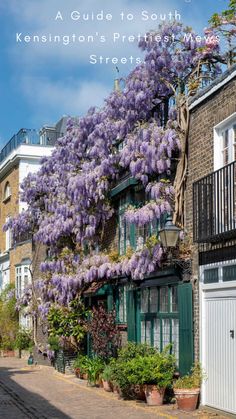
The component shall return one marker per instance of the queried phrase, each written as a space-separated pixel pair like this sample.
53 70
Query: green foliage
54 343
8 319
24 339
132 350
107 373
69 322
91 366
95 367
141 364
192 380
81 362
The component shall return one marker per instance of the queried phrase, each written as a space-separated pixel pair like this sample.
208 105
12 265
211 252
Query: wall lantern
169 234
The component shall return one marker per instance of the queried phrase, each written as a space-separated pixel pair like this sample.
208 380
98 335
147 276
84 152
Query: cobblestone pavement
41 393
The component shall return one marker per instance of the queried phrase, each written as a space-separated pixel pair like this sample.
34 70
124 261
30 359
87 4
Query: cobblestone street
42 393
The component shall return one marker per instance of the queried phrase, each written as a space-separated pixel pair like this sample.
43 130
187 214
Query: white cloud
75 98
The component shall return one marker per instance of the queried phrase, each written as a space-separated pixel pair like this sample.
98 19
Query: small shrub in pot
187 389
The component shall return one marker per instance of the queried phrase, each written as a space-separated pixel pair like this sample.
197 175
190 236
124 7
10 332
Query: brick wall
9 206
204 118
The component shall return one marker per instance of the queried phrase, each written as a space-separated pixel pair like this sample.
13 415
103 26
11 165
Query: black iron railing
214 205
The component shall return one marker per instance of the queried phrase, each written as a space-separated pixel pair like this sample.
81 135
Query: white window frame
7 191
8 236
227 124
22 278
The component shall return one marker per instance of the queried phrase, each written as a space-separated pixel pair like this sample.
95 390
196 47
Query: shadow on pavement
18 402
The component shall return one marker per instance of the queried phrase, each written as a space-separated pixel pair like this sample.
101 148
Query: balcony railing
29 137
214 206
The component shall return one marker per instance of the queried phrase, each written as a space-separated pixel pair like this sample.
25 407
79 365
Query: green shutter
131 316
185 328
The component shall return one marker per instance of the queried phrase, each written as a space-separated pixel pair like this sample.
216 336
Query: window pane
143 331
122 305
229 273
165 332
153 300
211 275
173 299
175 339
25 281
225 138
144 300
140 235
157 333
164 299
148 332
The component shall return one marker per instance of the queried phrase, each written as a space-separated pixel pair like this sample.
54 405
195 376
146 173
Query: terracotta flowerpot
84 376
106 385
116 390
139 392
99 383
77 372
154 395
187 398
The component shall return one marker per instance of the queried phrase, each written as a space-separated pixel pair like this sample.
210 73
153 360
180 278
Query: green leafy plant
107 373
8 318
142 365
54 343
69 322
95 368
132 350
81 363
192 380
24 339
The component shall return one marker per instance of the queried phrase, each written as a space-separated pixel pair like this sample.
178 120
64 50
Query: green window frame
159 317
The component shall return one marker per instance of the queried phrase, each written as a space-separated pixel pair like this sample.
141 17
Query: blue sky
41 82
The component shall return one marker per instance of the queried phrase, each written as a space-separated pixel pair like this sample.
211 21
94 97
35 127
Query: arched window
7 191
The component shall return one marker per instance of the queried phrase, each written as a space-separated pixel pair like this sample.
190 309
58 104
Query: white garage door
219 353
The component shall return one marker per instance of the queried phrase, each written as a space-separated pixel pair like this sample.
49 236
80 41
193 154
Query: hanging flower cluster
69 198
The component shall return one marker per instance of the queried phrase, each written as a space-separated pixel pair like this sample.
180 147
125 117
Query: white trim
229 124
212 90
33 152
217 290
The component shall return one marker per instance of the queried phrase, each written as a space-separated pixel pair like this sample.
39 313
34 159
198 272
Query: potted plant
150 371
95 368
106 378
156 375
80 366
187 389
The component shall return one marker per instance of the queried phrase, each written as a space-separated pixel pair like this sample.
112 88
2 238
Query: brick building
20 156
210 209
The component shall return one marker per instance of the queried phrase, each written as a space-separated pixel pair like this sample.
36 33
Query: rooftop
213 87
45 137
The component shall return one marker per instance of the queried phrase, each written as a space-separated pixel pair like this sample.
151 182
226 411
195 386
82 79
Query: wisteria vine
69 200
